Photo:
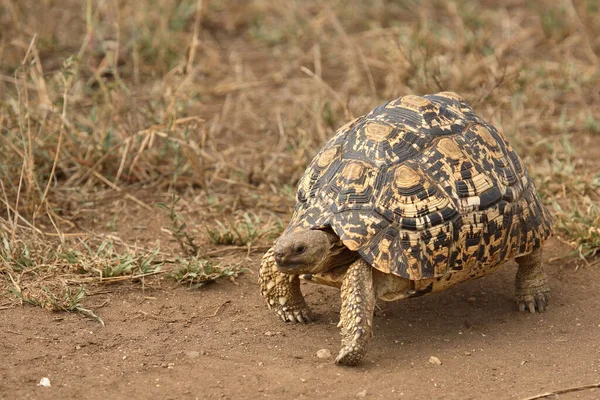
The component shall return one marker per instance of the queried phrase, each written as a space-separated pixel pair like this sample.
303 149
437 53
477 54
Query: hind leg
531 284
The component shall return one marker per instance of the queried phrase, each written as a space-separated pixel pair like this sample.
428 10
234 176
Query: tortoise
413 197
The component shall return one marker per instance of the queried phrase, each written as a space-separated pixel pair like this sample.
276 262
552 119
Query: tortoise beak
286 264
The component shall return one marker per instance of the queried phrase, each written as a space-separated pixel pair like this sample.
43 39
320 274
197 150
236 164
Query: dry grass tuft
106 105
244 229
196 272
61 298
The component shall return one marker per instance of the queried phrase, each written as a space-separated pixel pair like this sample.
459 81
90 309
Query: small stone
362 394
523 362
472 299
435 360
467 353
192 354
44 382
324 353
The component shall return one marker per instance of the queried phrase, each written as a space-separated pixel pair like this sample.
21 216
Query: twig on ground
563 391
214 314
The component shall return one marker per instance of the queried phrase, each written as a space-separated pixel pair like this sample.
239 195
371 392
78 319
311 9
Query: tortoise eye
299 249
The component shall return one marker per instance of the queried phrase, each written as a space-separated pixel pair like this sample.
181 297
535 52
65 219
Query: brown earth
221 342
271 81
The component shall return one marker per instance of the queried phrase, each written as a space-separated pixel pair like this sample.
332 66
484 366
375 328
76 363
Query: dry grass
224 103
197 272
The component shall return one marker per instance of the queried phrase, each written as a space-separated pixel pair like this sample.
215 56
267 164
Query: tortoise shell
421 187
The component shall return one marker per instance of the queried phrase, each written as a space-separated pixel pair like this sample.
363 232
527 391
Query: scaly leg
356 315
282 291
531 284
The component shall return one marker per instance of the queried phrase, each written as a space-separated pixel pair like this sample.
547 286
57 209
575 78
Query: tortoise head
311 251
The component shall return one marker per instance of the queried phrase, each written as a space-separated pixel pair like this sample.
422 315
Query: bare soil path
221 342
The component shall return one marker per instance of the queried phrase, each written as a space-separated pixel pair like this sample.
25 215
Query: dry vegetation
223 104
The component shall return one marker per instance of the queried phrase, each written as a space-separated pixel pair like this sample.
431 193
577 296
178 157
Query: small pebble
435 360
467 353
472 299
324 353
44 382
192 354
362 394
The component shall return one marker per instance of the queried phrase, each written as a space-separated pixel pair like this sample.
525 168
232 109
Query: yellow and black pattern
422 188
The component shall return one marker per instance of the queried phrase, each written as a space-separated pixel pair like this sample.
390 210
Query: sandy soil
264 119
222 342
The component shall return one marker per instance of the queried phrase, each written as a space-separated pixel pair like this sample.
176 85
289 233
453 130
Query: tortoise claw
533 302
301 315
541 301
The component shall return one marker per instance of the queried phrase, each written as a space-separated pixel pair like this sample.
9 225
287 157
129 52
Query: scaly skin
531 284
282 291
356 315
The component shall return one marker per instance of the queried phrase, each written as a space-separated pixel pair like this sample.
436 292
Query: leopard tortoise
410 199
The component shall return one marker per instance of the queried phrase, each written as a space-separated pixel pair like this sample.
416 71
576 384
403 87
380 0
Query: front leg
356 315
282 291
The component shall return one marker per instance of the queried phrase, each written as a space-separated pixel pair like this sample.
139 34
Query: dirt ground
110 107
222 342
